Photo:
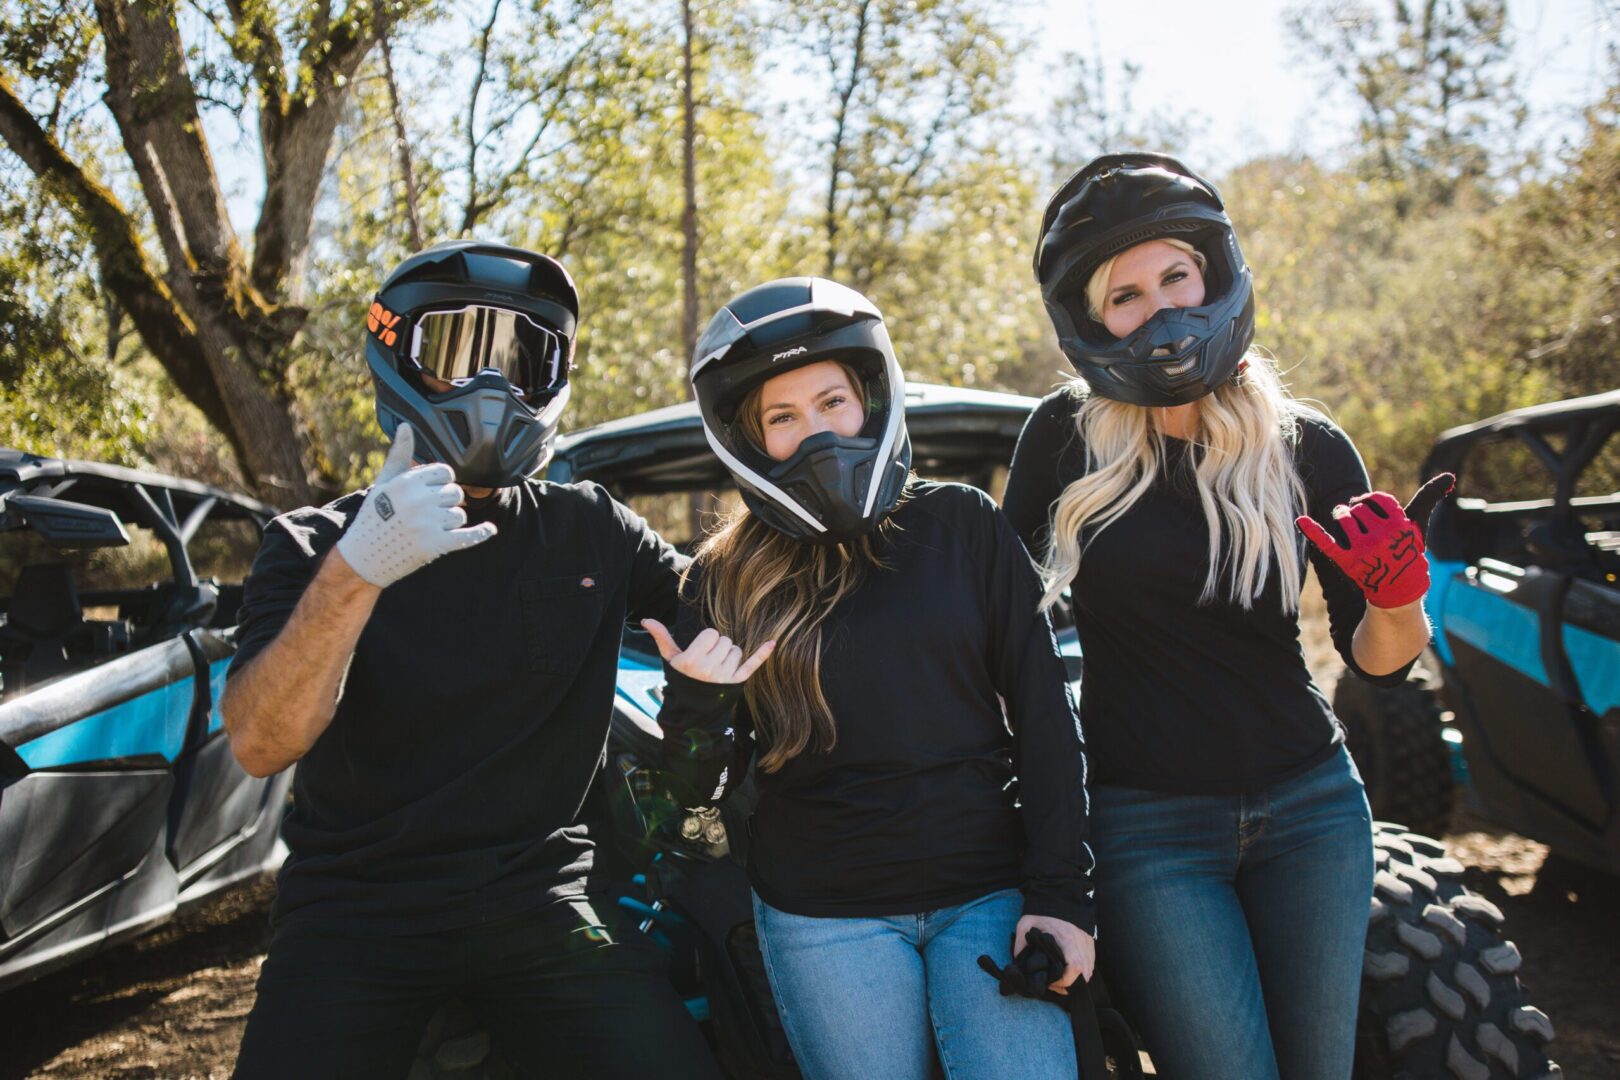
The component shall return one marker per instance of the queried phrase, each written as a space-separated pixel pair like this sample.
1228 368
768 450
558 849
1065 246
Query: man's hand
1079 950
411 516
710 658
1384 550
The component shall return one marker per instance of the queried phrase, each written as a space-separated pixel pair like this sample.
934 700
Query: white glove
410 517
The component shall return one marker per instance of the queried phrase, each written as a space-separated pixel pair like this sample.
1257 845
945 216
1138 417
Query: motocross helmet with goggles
833 488
471 344
1116 202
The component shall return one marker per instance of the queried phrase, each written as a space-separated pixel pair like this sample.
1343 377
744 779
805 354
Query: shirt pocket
561 616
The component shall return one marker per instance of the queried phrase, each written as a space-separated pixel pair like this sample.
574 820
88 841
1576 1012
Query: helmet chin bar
822 481
746 475
481 429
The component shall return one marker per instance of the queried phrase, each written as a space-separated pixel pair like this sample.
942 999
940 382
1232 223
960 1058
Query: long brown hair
757 585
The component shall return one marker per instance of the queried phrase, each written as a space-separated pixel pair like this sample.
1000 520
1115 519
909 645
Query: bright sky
1229 61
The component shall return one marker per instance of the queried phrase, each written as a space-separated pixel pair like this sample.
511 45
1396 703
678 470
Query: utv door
224 824
1526 605
84 797
1505 630
119 798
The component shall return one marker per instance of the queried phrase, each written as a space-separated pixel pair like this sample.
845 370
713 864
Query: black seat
1559 545
44 626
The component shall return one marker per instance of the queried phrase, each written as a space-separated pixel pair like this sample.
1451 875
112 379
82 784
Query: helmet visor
456 345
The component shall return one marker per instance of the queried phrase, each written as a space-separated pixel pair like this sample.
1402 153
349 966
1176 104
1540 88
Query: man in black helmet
438 655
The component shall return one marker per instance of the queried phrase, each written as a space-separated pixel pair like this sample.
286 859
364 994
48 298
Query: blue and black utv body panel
119 797
1526 606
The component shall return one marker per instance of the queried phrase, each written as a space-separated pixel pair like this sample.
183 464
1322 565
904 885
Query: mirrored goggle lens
457 345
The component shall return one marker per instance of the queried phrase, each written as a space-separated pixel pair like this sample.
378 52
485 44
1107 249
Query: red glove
1384 556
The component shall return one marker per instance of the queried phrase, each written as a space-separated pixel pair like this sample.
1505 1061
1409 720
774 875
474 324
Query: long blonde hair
1244 472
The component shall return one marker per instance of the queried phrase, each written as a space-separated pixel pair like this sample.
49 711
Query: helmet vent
1182 368
458 428
1175 349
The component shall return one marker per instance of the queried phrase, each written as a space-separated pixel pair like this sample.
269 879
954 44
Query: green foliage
1559 238
57 397
47 43
960 300
1402 325
913 99
1439 108
1414 286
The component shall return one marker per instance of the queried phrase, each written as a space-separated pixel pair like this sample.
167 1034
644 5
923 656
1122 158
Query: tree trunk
840 124
689 231
407 175
689 223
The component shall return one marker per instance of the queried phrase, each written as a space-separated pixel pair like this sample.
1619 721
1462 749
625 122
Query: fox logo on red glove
1383 552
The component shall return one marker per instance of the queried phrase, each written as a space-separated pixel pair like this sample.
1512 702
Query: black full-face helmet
1116 202
470 343
834 488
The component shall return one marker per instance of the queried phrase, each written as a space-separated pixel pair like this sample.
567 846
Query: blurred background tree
674 152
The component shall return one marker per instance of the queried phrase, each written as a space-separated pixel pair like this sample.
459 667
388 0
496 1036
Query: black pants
570 990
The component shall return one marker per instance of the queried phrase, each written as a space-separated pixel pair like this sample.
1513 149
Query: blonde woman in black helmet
1162 487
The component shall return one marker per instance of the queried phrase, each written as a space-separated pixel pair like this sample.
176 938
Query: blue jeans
1232 927
879 997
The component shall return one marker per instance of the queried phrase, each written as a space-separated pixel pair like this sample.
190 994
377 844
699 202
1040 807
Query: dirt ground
172 1004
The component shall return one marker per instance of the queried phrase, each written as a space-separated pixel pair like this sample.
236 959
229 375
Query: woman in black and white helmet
863 628
1233 838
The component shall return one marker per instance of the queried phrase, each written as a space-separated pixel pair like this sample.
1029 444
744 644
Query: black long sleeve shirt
450 787
1180 696
932 796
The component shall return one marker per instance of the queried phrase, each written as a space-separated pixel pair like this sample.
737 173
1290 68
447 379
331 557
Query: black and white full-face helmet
470 343
1116 202
833 488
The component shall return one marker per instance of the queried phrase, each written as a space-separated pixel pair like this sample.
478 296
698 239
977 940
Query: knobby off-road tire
1440 993
1395 736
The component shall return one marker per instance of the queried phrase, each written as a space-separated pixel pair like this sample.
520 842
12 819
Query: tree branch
470 212
297 137
413 216
255 45
125 272
837 164
151 95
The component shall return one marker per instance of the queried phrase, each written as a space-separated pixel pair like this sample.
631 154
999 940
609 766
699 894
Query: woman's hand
710 658
1385 552
1079 950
